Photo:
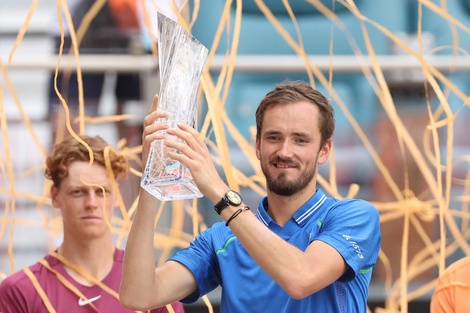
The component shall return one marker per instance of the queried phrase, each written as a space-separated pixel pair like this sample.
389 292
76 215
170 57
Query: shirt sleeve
12 299
352 227
200 258
451 293
441 300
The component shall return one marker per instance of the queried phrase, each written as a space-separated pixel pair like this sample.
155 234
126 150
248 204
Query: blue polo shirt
216 257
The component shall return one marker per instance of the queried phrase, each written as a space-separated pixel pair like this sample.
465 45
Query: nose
285 150
92 201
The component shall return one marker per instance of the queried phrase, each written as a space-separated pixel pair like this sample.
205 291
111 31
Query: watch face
233 197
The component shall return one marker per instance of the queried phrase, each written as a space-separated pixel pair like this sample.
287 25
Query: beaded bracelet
237 212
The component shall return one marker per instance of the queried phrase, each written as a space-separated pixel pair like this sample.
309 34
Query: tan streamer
42 294
444 204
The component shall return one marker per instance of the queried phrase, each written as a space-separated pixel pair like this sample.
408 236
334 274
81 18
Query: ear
258 152
325 152
54 192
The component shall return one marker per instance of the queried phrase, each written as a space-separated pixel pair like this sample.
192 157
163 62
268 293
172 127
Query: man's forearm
138 280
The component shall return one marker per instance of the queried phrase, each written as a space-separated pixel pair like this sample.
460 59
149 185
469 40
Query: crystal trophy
181 60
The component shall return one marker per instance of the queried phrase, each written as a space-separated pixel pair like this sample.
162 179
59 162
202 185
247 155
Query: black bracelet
237 212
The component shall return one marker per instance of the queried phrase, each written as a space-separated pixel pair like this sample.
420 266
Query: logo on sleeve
354 245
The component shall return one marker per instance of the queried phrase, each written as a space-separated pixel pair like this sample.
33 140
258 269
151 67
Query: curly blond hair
71 150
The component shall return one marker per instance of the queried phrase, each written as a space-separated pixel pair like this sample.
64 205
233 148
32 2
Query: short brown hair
71 150
295 91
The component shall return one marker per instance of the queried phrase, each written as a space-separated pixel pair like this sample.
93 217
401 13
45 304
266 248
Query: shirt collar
301 216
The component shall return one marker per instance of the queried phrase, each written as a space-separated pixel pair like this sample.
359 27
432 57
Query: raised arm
299 273
143 286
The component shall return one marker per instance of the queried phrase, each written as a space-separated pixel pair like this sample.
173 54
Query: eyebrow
91 185
297 134
302 134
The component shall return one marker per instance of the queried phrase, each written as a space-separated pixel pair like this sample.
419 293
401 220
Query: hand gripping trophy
181 60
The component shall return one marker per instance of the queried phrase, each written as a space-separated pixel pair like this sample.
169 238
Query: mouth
283 164
91 218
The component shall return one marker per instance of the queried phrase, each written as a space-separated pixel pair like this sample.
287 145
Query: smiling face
86 199
288 147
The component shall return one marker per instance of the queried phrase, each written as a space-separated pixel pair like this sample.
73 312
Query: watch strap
222 204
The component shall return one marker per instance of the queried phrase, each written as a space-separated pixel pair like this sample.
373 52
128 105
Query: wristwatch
231 197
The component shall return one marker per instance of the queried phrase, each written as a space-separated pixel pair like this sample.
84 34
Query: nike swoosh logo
82 302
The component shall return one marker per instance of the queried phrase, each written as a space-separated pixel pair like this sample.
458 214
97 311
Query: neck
94 258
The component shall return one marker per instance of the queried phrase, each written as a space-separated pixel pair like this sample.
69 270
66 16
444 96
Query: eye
77 192
273 138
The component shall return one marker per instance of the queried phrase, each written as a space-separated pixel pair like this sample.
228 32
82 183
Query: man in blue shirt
300 251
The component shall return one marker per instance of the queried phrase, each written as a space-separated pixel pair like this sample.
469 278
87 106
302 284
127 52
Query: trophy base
181 189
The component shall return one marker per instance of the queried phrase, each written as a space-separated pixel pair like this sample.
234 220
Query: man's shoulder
353 203
20 281
15 279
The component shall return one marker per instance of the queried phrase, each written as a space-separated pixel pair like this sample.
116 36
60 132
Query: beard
283 185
